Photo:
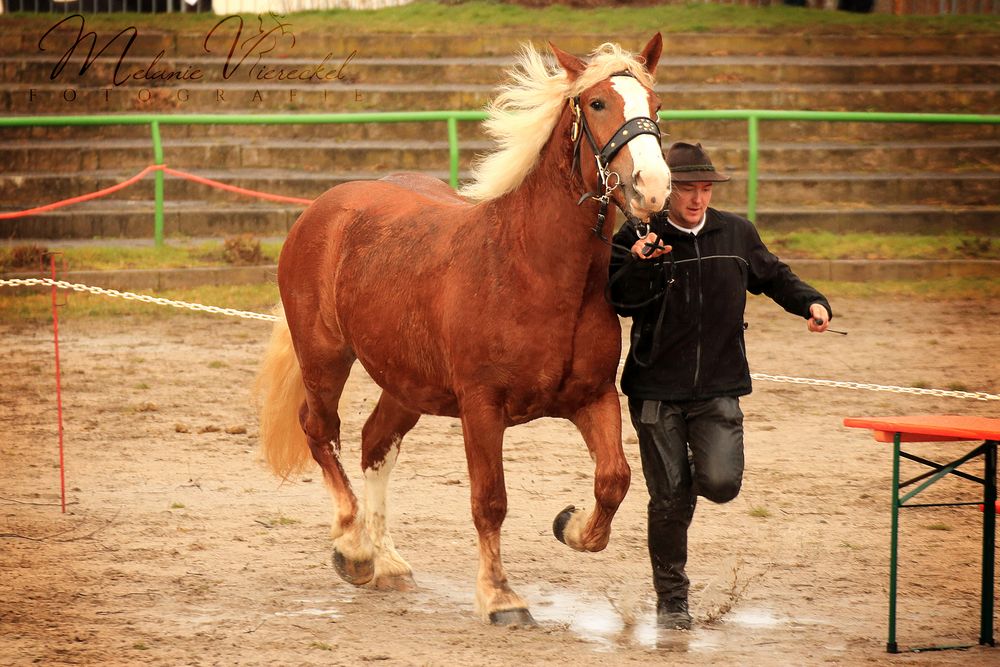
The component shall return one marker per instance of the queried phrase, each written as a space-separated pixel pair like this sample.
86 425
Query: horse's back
433 188
372 259
390 197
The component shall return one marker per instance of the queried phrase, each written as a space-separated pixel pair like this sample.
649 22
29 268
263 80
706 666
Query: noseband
629 130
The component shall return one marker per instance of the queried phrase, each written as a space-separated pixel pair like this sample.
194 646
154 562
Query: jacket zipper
697 356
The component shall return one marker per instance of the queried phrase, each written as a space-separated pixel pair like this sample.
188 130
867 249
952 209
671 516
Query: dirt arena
179 548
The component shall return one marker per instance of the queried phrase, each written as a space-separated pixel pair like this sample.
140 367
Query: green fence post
453 149
154 127
753 141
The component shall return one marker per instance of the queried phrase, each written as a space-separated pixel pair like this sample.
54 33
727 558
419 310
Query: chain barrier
232 312
920 391
132 296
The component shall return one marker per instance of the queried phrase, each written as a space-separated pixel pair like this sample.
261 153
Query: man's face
688 202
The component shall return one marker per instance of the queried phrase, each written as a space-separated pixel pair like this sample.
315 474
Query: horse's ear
574 66
651 54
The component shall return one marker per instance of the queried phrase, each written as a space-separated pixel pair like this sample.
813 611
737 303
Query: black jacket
700 352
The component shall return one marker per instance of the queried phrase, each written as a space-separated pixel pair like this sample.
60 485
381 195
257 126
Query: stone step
908 219
213 217
328 155
973 188
135 72
232 97
311 156
316 43
717 130
135 219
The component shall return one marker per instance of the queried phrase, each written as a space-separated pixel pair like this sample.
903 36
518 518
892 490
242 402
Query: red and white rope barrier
142 174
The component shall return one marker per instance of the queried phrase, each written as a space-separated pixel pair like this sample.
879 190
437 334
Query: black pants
688 449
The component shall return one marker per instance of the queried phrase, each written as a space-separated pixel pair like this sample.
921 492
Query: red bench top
928 428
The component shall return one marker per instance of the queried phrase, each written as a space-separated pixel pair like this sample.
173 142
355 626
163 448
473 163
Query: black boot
673 614
667 526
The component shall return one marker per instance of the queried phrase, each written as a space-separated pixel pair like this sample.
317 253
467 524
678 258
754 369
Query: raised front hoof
559 524
357 572
513 618
394 582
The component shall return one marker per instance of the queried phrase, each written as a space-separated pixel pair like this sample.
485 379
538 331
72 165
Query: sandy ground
179 548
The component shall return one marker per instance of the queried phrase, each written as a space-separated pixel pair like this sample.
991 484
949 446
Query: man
684 284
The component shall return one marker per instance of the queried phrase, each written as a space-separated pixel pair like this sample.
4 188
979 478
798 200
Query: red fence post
55 338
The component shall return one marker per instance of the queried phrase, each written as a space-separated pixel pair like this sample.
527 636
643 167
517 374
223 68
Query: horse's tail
280 393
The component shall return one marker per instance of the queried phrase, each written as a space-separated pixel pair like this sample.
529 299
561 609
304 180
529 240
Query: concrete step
317 156
852 189
213 217
867 133
505 43
314 156
329 155
232 97
972 188
136 72
317 43
135 219
902 218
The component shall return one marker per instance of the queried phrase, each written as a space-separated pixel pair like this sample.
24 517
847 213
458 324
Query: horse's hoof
512 617
394 582
355 572
559 525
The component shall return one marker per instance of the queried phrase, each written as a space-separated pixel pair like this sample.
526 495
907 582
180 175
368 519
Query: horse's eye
597 105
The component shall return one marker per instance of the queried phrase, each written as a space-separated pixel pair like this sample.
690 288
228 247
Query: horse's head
616 141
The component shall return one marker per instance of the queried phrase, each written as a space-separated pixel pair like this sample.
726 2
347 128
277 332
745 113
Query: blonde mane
522 116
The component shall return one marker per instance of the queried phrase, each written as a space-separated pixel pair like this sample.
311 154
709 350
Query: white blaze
647 157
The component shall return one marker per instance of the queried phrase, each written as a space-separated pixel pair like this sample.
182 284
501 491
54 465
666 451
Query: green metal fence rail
753 117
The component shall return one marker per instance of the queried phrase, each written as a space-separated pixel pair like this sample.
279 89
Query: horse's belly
417 388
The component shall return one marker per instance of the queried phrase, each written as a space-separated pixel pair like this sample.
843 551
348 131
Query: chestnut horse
486 306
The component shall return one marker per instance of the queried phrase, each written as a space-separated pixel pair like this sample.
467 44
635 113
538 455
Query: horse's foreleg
380 441
495 600
600 423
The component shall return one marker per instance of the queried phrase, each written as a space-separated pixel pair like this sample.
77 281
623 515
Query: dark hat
689 163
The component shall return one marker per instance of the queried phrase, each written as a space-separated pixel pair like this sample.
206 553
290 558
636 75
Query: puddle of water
755 618
591 617
595 619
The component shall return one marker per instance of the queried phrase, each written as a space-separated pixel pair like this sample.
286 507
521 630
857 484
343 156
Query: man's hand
819 319
649 247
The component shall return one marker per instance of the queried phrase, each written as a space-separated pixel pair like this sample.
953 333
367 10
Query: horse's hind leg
380 441
324 373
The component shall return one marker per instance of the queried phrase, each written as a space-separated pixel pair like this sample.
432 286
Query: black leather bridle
629 130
